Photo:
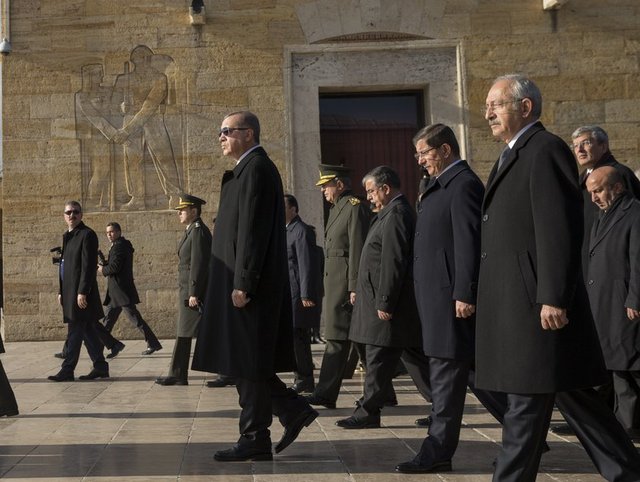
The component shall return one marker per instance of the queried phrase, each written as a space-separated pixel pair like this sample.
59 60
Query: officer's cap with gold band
187 200
329 173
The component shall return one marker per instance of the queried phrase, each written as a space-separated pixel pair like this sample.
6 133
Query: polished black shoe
303 386
415 467
151 349
355 423
9 413
59 355
563 429
167 381
313 399
115 349
221 382
61 377
93 374
291 431
424 422
238 453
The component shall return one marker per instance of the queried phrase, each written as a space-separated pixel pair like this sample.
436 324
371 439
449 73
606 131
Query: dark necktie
503 157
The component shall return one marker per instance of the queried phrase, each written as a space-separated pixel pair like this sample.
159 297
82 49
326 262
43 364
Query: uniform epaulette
354 200
196 224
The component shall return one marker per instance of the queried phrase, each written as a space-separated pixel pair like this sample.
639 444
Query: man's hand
239 298
553 318
384 316
464 310
100 268
633 314
82 301
352 297
193 302
60 299
307 303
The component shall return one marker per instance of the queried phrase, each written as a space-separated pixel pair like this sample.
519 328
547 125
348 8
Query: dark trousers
134 316
77 332
449 380
356 354
417 365
260 400
603 438
626 385
103 334
334 360
8 402
302 352
179 366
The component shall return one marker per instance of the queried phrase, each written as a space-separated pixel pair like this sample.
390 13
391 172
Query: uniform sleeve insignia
354 200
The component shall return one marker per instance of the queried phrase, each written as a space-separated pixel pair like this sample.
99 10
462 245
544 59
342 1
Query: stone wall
75 78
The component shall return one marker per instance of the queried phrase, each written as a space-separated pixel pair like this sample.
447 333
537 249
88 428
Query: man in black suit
305 279
385 318
79 297
122 294
614 287
445 272
193 275
247 328
536 340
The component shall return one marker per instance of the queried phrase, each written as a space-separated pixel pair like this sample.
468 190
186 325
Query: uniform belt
337 253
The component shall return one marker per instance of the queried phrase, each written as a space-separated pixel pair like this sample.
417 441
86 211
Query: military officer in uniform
345 232
193 253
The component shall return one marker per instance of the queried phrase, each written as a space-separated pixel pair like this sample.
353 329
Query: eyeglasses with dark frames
225 131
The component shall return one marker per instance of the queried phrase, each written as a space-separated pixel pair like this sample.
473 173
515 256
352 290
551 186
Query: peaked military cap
329 173
187 200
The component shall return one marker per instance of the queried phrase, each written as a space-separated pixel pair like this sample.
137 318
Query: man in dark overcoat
247 327
8 404
193 275
306 290
344 235
79 296
385 318
445 272
613 284
536 340
122 294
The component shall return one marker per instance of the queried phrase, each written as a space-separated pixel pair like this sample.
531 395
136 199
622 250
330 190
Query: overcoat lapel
600 230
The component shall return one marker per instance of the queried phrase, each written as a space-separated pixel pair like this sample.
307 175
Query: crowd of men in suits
526 291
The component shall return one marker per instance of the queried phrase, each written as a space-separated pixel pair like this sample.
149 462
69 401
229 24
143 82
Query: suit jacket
345 233
78 274
446 260
385 281
121 290
193 274
531 230
304 273
249 253
591 211
614 282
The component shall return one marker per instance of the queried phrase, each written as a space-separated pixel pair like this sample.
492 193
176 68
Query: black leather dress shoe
424 422
355 423
93 374
61 377
151 350
59 355
291 431
313 399
9 413
239 454
562 429
415 467
221 382
167 381
115 349
303 386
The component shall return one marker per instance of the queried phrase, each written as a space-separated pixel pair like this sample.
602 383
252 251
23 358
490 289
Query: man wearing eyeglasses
247 328
79 297
535 337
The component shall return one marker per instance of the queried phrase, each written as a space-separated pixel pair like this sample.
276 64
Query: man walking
247 328
121 289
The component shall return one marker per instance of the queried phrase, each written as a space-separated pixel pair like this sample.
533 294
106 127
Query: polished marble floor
127 429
